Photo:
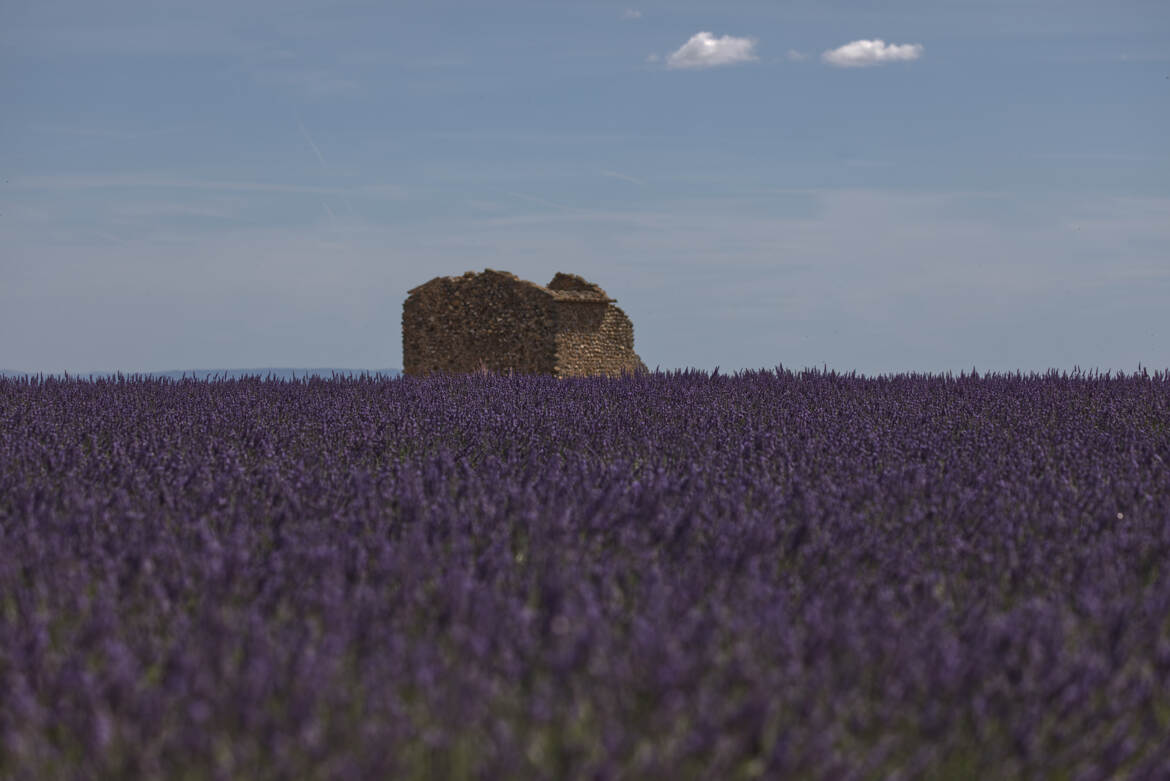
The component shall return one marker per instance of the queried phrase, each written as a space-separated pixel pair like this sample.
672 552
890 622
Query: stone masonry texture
496 321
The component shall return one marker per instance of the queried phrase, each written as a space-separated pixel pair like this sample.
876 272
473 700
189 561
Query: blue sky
924 185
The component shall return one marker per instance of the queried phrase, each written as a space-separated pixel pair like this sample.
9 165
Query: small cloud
796 56
704 50
631 13
859 54
652 58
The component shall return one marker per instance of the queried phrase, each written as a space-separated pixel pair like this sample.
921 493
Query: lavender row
771 574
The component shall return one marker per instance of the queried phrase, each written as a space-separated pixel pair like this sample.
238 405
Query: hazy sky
883 186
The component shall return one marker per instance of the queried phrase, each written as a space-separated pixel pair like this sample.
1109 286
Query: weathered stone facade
499 322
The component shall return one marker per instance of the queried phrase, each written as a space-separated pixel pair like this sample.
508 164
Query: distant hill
206 374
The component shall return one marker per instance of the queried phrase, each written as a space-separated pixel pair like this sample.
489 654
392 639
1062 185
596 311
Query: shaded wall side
457 325
594 339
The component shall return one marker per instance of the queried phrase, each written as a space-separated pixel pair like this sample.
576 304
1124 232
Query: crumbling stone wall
497 321
458 324
573 286
593 335
594 338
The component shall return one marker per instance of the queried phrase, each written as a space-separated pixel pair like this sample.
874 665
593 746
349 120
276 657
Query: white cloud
631 13
652 58
704 50
858 54
796 56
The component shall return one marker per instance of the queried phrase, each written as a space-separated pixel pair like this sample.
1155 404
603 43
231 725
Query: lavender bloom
767 574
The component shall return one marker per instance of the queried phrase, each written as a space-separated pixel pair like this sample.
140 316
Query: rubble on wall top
563 287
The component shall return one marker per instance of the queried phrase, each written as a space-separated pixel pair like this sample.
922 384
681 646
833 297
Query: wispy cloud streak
623 177
316 151
536 199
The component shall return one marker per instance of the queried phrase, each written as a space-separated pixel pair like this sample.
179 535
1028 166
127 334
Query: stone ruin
498 322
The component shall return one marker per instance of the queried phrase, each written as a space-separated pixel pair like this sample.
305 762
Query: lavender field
672 575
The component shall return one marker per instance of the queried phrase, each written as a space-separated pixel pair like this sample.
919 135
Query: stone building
499 322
